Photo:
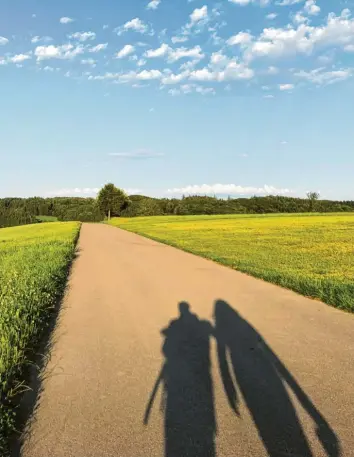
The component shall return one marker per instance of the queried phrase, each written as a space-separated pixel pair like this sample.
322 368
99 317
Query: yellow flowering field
34 261
312 254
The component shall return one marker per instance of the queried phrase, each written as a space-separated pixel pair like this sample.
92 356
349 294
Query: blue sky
236 97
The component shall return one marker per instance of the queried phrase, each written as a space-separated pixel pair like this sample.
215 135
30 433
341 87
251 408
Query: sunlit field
34 262
310 254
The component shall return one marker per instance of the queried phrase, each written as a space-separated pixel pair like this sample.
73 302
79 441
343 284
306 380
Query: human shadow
263 380
187 388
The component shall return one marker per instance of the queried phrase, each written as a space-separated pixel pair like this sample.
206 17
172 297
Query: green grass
46 219
309 253
34 262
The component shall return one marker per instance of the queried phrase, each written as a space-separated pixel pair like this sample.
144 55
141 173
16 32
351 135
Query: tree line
113 202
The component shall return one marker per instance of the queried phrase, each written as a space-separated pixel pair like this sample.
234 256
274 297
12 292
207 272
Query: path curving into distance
161 353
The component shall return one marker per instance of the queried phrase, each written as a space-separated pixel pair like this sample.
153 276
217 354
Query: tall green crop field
34 261
310 254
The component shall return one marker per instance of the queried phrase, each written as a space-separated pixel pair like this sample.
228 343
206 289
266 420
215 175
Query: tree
112 200
312 197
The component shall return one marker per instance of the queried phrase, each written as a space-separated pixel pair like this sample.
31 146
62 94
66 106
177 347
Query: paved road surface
245 369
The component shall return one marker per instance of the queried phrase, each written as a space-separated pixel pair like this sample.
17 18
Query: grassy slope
311 254
34 262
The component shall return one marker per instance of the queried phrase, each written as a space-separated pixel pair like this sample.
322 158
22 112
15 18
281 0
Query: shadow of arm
229 386
324 431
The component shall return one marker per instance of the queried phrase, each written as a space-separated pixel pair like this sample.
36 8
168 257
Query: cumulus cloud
271 16
285 87
125 51
242 38
136 25
19 58
304 39
247 2
173 55
83 36
222 68
90 62
66 20
84 192
288 2
43 39
3 40
321 76
163 50
153 5
179 39
99 47
179 53
311 7
66 51
199 14
228 189
138 154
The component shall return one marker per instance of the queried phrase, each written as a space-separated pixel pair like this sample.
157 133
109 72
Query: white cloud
77 191
199 14
179 39
135 24
189 65
172 78
284 87
144 75
288 2
311 7
43 39
66 20
84 192
174 92
99 47
349 48
180 53
321 76
163 50
190 88
272 70
19 58
242 38
221 69
271 16
66 51
125 51
138 154
247 2
3 40
279 42
141 62
228 189
153 5
83 36
91 62
49 69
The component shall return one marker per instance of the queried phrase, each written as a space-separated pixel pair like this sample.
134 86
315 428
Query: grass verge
311 254
34 263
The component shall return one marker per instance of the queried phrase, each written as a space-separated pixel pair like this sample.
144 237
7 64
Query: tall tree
313 197
112 200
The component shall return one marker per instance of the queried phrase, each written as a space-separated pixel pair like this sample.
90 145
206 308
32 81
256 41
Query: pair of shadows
261 379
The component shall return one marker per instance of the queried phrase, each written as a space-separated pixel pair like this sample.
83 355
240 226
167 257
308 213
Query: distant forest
20 211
